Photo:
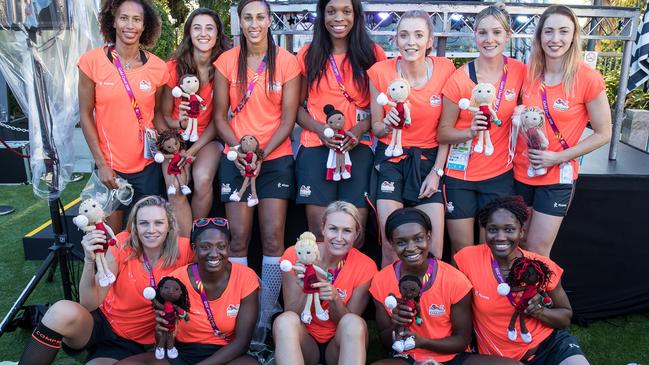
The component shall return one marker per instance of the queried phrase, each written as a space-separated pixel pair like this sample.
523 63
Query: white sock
239 260
271 283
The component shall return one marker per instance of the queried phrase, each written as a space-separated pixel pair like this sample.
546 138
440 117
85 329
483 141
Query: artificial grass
617 341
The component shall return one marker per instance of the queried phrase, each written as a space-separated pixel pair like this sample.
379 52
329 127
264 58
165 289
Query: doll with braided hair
527 277
410 290
171 147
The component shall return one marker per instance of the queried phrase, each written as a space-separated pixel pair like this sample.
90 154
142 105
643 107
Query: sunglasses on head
202 222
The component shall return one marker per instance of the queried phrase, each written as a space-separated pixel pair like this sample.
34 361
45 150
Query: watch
439 172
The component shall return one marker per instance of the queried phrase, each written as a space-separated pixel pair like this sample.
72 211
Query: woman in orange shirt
572 94
486 265
342 339
204 40
474 178
116 322
412 178
114 129
260 83
335 73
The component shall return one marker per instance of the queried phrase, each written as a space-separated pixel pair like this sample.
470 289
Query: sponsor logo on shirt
225 188
145 86
305 191
560 205
387 186
435 100
449 207
480 295
106 83
282 185
232 310
561 105
510 94
342 293
436 310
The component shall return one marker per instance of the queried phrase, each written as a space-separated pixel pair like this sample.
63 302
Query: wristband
189 160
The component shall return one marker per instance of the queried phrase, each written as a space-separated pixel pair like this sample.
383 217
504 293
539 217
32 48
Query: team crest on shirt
561 105
232 310
342 293
387 187
305 191
449 207
225 188
436 310
435 100
145 86
510 94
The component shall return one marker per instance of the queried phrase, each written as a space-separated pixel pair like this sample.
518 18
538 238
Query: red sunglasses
202 222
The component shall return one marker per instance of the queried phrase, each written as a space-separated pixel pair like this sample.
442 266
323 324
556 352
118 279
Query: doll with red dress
170 297
483 96
533 127
399 91
172 148
188 90
251 153
339 165
410 290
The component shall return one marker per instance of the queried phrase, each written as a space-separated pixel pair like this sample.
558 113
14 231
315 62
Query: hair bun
500 6
307 236
328 109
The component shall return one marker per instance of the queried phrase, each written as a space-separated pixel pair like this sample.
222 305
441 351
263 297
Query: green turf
618 341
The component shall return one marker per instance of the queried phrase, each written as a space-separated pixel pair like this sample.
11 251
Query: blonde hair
343 207
499 12
307 240
571 60
418 14
170 252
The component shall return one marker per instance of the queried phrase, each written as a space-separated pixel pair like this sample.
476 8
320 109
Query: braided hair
183 301
522 270
513 204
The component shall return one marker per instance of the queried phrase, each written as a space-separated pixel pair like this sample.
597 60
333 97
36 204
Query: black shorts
275 180
104 342
391 183
322 348
457 360
465 198
559 346
548 199
146 182
192 353
314 189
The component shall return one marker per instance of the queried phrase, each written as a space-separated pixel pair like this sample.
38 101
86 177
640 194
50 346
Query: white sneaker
323 316
185 190
389 150
511 335
337 176
104 281
193 137
185 136
398 346
526 337
488 150
111 277
252 201
531 171
478 148
346 175
234 197
159 353
171 190
306 317
409 343
172 353
398 151
541 171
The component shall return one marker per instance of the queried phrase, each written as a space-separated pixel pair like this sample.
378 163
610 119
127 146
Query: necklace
429 73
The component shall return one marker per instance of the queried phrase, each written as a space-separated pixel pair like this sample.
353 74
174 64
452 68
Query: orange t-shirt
358 270
492 312
425 102
117 126
225 309
569 114
450 287
480 166
261 116
328 92
205 92
131 315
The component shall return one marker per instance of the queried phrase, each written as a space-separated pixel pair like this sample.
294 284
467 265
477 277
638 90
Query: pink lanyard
206 303
148 267
339 79
129 91
501 279
251 86
501 86
546 109
333 273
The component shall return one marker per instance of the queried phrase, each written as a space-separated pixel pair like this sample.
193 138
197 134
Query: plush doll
339 165
91 217
527 278
170 147
188 90
533 124
410 289
171 297
307 252
251 152
399 91
483 96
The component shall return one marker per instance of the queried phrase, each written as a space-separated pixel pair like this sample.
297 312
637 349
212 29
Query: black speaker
15 169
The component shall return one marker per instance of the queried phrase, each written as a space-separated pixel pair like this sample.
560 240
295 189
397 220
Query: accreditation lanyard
251 86
148 267
339 79
429 277
546 109
206 303
332 274
129 91
501 279
501 86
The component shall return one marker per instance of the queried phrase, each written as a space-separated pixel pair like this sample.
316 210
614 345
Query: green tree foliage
178 10
168 39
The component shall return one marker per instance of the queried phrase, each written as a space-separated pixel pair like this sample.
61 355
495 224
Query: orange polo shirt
328 92
225 309
492 312
261 116
450 287
358 270
425 102
569 114
117 126
205 92
480 166
131 315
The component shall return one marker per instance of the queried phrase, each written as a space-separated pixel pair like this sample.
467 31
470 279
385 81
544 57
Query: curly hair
522 270
513 204
152 25
183 301
168 134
